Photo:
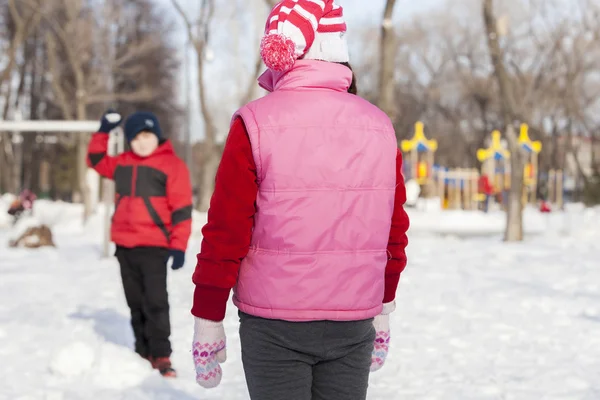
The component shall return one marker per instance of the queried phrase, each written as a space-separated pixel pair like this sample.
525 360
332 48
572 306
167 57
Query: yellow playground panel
495 163
421 151
532 149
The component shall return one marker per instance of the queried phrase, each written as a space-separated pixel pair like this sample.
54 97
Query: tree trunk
37 92
7 170
18 166
6 150
387 87
27 71
44 178
514 214
3 165
199 36
554 157
211 161
595 161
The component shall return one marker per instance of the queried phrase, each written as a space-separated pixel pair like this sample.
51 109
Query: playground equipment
494 163
457 188
469 189
532 150
421 153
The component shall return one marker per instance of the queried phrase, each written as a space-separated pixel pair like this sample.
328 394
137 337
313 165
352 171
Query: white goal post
49 126
116 145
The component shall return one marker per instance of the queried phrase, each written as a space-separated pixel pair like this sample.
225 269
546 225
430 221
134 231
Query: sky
357 13
236 33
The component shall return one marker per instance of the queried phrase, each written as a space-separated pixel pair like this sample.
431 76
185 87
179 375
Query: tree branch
142 95
188 25
24 25
55 81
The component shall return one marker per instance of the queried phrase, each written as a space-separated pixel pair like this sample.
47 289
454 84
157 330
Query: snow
476 319
5 201
75 359
413 190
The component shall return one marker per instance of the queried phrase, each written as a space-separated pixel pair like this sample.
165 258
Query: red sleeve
398 238
98 158
228 231
179 196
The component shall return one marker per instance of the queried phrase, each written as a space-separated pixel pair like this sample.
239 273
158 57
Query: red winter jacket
228 231
153 200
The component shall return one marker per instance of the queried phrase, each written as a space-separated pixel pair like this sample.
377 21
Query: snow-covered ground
476 318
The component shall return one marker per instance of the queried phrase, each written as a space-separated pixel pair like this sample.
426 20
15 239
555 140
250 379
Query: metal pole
108 200
116 145
108 192
17 139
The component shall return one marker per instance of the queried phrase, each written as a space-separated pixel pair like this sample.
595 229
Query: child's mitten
209 352
178 257
382 338
110 120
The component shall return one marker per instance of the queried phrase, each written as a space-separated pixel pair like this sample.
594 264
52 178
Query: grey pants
321 360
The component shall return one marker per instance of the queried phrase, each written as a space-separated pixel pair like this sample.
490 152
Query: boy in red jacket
151 223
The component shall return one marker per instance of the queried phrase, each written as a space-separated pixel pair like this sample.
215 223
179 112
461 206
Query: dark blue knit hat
141 121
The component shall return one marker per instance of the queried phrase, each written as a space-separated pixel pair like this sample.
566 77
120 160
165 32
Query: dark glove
110 120
178 257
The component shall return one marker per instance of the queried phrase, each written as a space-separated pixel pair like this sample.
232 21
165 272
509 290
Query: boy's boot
163 365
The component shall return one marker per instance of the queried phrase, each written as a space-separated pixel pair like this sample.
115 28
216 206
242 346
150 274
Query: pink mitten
209 352
382 338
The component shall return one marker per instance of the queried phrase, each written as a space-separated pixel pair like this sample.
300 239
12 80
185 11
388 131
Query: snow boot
163 365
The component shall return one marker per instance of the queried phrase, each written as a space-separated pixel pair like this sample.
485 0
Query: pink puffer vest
326 164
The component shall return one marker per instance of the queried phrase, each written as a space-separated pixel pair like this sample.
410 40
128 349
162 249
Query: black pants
144 276
321 360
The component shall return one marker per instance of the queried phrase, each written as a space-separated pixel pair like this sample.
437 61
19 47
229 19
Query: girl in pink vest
306 222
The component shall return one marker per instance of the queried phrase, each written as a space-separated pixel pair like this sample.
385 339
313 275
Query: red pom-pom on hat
278 52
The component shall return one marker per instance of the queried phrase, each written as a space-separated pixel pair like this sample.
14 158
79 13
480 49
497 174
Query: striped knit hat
309 29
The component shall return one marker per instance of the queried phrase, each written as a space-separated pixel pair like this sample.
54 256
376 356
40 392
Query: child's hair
353 88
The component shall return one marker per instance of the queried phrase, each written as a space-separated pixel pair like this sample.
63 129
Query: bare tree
514 220
198 32
77 83
387 50
25 19
22 19
443 78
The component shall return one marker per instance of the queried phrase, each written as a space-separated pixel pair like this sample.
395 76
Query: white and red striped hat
308 29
